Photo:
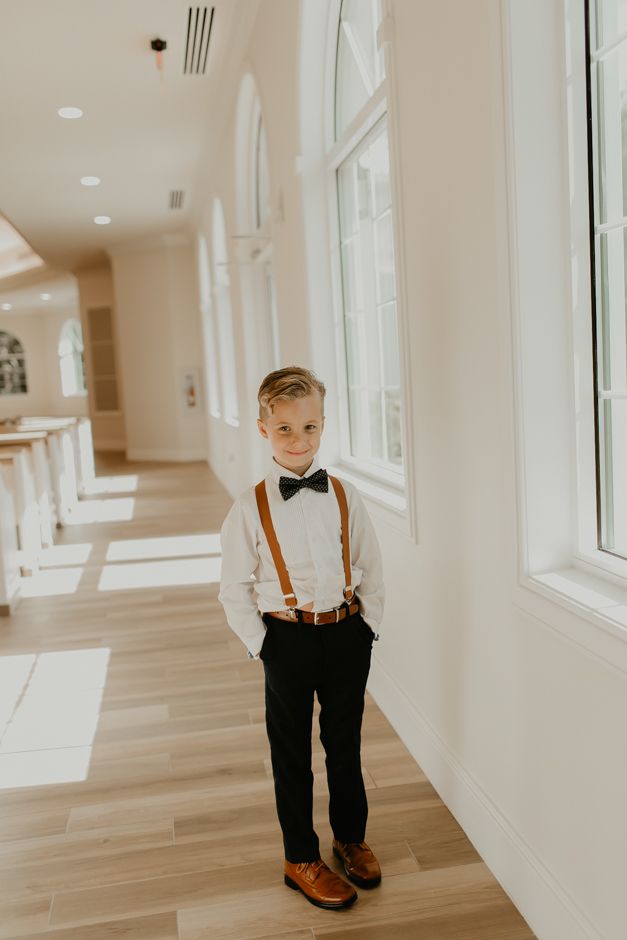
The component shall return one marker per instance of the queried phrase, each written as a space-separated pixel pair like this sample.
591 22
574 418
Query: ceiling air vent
176 198
199 23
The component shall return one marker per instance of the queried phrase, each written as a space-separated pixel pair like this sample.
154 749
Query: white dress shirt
308 529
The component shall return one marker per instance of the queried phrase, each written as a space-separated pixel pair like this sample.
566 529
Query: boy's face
294 429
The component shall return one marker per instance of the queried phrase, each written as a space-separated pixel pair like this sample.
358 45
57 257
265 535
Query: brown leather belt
315 616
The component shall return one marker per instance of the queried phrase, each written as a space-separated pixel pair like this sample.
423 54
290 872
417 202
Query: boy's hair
286 385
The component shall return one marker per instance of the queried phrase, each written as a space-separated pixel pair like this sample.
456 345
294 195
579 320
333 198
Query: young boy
309 543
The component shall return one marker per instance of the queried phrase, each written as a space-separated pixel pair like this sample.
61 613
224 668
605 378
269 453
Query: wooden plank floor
136 794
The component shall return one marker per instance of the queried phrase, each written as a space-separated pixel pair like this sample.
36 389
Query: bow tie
317 481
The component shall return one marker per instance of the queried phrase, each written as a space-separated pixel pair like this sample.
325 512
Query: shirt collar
276 470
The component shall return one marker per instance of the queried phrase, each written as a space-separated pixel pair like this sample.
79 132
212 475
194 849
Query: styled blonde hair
286 385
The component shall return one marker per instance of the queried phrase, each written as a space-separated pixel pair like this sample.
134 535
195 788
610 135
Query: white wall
39 335
520 728
158 333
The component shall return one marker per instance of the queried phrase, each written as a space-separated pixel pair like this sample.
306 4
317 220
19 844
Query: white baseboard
174 456
548 909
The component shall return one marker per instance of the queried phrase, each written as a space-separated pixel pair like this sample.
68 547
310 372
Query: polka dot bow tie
317 481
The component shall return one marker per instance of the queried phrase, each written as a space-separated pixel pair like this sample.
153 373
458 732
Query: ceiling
145 133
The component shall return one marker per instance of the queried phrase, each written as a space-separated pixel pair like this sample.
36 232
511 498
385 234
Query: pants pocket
264 645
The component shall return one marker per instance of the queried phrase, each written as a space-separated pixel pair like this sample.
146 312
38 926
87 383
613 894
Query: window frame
395 489
562 580
597 230
22 355
222 303
208 325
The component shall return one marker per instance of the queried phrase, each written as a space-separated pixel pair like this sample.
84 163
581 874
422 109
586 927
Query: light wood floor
164 825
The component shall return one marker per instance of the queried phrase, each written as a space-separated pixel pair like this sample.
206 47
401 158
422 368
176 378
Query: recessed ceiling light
102 219
90 180
70 112
45 296
7 306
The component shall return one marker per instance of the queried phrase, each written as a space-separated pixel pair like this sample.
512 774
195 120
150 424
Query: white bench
9 551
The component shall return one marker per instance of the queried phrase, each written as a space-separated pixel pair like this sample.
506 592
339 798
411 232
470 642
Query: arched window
222 294
358 159
71 359
262 179
12 365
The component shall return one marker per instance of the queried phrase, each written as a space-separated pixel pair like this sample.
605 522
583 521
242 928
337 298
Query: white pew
44 490
9 553
19 473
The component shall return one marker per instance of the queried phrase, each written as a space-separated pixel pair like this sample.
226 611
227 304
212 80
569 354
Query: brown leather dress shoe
319 884
360 863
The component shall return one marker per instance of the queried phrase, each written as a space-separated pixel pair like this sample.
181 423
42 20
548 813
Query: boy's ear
262 428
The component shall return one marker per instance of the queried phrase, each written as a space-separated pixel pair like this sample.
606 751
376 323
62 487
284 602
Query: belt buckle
291 613
315 613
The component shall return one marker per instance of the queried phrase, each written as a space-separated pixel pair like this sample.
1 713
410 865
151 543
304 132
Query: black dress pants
333 661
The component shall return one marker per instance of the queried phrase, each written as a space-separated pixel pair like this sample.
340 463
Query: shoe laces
314 867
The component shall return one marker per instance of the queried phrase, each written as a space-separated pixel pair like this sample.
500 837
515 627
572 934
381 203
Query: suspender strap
273 542
346 551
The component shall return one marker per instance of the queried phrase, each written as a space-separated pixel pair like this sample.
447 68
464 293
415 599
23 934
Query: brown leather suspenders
275 548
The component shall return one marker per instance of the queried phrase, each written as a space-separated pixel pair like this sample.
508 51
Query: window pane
389 346
611 309
611 83
393 426
375 414
608 130
356 421
613 460
262 180
359 66
611 20
354 350
352 278
384 249
12 367
379 159
369 294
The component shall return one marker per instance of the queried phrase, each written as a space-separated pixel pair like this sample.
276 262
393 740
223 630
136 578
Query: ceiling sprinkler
157 46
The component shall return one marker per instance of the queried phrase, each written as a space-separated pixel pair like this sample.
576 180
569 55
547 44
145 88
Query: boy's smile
294 430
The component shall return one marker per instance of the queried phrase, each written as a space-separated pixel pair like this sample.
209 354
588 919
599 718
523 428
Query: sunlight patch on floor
49 709
103 510
60 555
50 583
126 483
165 547
161 573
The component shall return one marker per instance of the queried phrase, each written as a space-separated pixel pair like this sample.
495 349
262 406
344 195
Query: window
208 327
222 294
607 33
12 366
359 161
262 180
71 359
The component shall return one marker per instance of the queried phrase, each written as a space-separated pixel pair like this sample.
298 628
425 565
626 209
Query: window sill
588 609
389 503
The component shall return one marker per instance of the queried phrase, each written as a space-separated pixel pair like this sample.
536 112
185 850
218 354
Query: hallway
167 829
